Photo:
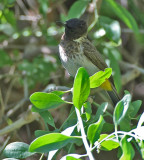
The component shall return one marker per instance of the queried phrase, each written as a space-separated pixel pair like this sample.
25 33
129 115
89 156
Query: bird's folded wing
93 55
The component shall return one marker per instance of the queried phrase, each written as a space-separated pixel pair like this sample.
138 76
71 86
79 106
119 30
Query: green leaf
126 120
108 128
59 93
45 100
17 150
141 145
4 58
112 28
94 130
103 107
11 3
81 88
123 14
68 131
98 78
108 144
71 157
88 110
135 108
121 109
10 17
51 142
77 9
44 7
127 149
6 29
116 70
35 109
39 133
131 112
48 118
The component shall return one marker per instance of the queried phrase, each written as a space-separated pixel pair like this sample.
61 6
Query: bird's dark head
75 28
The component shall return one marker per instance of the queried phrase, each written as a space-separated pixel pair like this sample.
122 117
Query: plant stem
88 149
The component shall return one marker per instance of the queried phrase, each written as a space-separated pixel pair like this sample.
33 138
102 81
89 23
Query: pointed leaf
121 109
48 118
103 107
45 100
77 9
81 88
109 144
88 110
112 28
127 149
71 157
98 78
135 108
17 150
68 131
51 142
116 69
94 130
123 14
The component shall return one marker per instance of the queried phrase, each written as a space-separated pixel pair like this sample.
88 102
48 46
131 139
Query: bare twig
2 106
9 91
8 75
19 104
29 18
22 6
126 30
4 144
129 76
133 66
27 117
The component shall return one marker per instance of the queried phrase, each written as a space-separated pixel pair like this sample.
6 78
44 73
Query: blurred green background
29 62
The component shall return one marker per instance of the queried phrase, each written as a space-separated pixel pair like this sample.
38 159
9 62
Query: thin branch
19 104
126 30
27 117
5 143
7 75
129 76
128 65
29 18
2 106
9 91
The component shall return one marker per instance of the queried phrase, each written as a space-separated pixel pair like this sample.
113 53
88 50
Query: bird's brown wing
96 58
93 55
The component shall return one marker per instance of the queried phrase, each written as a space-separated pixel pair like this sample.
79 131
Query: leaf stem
88 149
114 133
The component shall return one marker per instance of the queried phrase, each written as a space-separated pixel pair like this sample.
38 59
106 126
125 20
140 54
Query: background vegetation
29 38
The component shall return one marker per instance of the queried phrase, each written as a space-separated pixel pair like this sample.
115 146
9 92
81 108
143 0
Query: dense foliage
68 122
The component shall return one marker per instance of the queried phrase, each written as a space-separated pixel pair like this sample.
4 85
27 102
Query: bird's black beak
59 23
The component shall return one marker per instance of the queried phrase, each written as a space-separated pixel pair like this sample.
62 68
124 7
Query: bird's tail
114 96
109 87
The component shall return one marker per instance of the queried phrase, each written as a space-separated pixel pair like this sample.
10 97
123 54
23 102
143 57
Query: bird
76 50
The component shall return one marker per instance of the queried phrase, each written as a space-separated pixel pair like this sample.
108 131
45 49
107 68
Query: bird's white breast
75 61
